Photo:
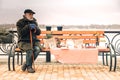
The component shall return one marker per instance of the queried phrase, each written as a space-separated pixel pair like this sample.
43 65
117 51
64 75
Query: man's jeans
30 54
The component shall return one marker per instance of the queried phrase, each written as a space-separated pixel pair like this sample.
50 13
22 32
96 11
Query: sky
62 12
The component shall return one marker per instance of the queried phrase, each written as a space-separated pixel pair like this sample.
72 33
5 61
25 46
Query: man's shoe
30 69
24 66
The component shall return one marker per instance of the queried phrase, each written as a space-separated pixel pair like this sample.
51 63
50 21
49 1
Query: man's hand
32 27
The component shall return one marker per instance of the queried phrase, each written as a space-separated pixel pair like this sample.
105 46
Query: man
24 26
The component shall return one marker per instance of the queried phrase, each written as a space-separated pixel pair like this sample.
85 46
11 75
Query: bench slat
72 32
72 37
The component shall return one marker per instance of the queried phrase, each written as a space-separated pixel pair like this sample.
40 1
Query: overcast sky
67 12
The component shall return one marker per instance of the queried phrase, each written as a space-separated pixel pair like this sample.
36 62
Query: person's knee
36 49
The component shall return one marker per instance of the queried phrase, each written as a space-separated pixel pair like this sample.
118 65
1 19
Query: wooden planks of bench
88 36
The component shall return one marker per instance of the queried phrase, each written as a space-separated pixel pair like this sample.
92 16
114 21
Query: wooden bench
88 37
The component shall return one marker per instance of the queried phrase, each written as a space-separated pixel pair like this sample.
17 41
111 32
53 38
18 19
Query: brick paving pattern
57 71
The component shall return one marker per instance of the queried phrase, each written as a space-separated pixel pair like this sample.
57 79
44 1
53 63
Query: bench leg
18 58
106 59
110 68
115 63
48 56
9 62
103 58
21 58
13 63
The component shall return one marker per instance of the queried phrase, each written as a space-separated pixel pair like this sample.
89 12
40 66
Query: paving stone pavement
58 71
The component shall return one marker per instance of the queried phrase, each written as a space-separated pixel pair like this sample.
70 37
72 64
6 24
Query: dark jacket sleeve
21 28
38 31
